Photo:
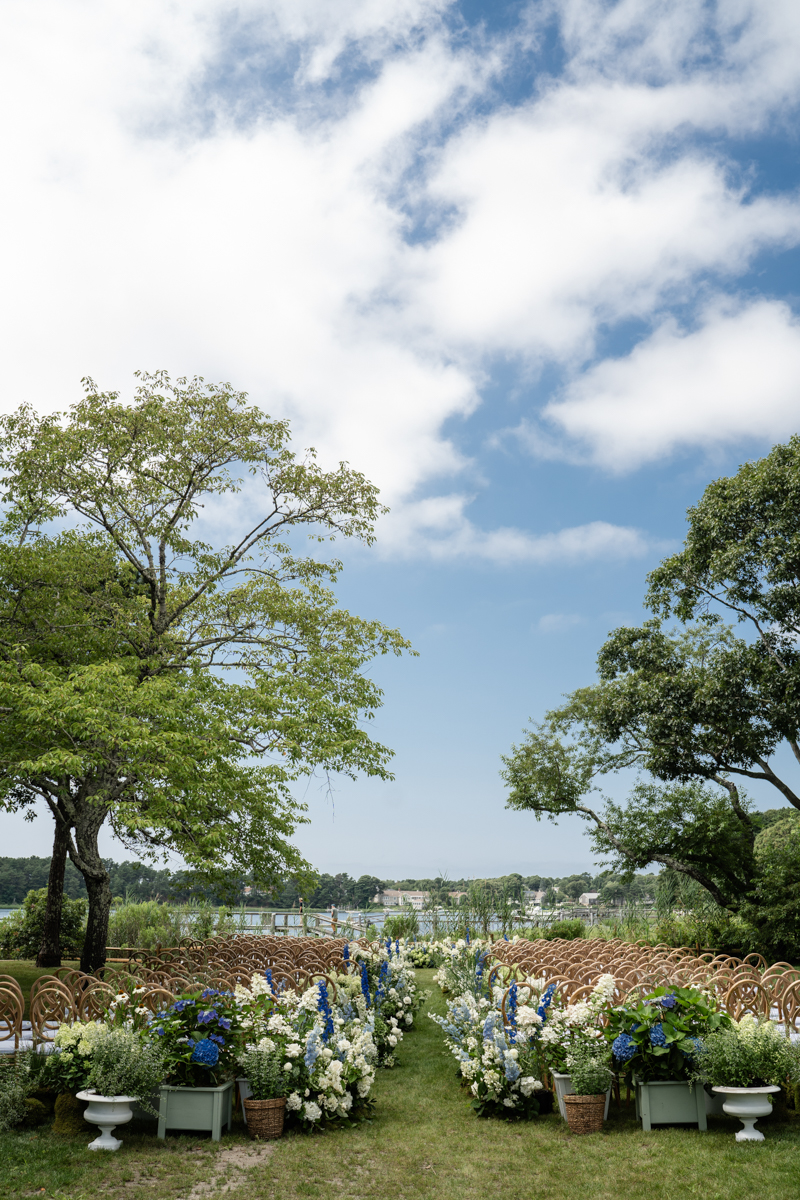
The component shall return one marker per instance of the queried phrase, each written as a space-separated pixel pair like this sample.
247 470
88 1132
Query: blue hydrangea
205 1053
205 1018
657 1035
698 1045
215 1037
669 1001
623 1047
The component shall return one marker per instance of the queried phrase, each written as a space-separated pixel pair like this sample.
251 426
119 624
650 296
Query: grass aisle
423 1144
426 1144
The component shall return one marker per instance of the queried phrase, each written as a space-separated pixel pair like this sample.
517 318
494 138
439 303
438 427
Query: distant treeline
138 881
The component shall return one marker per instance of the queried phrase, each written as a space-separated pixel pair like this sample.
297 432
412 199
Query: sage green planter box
196 1108
670 1103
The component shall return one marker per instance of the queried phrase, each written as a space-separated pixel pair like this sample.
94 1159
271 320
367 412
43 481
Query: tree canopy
695 701
159 674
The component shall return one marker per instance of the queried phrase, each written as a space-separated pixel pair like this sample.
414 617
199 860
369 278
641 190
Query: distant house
588 899
396 897
532 897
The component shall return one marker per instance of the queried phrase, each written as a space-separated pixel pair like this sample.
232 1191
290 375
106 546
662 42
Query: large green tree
698 703
188 664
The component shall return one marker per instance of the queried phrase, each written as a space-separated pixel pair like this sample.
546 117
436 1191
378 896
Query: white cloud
737 376
438 528
559 622
227 191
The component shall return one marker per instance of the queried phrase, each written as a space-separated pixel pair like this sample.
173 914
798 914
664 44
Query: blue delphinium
268 977
488 1026
346 952
467 937
389 946
657 1035
324 1007
205 1053
313 1047
511 1013
547 999
380 991
365 984
511 1069
623 1047
397 946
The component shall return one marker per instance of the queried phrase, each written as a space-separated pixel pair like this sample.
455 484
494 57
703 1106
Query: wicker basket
265 1117
584 1113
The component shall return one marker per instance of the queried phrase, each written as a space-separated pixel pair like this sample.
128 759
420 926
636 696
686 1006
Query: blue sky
532 267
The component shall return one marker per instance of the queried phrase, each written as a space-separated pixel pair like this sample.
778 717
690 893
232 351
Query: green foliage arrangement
264 1071
124 1064
21 933
589 1069
659 1037
749 1054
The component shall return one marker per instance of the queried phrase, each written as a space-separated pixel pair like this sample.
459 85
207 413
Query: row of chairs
740 985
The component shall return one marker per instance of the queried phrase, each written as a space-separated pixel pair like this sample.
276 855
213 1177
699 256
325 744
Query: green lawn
423 1144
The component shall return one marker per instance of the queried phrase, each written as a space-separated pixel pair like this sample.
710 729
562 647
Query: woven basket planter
585 1113
265 1117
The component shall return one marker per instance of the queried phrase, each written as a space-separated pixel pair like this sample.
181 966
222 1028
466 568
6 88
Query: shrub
402 925
22 933
15 1086
146 924
566 929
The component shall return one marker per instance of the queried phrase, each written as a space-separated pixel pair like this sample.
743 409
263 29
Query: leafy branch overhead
696 707
157 678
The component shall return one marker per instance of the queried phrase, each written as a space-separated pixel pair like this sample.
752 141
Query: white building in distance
396 897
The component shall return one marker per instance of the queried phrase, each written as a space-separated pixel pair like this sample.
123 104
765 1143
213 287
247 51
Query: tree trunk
94 946
85 854
50 949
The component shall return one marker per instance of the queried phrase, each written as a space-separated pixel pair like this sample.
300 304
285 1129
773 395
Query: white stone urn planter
563 1086
107 1112
749 1105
